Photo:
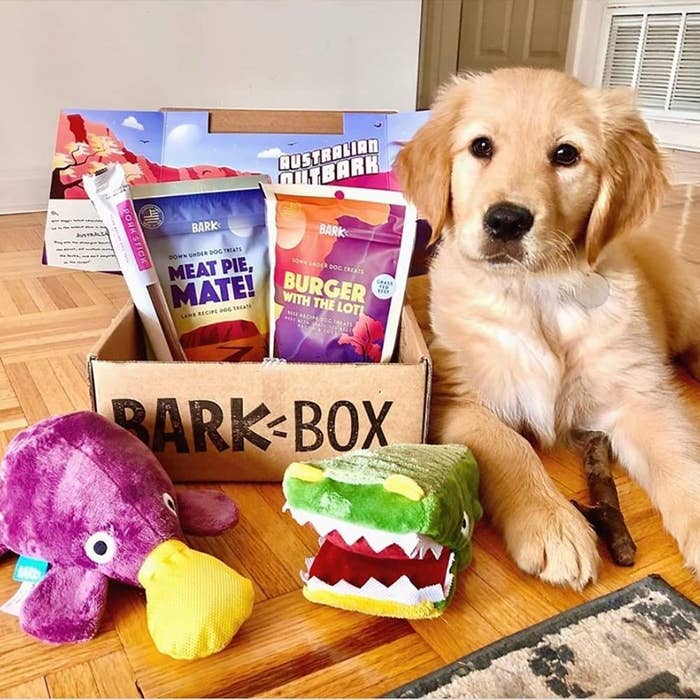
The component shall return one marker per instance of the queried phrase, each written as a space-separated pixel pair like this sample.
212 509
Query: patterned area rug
641 641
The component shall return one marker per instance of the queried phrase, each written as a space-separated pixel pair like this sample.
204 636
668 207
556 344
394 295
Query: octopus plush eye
100 547
170 503
465 524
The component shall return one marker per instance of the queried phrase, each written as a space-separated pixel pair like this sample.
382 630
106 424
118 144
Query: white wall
315 54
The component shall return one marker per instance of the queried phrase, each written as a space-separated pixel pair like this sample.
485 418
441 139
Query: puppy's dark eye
565 154
482 147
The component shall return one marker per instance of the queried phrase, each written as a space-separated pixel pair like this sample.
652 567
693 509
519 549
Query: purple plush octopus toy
83 501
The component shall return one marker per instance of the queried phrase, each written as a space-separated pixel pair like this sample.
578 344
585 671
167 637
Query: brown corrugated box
247 421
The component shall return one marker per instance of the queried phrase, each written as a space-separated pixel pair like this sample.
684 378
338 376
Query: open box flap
323 147
122 340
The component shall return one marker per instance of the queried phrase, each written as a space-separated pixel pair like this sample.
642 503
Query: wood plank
5 438
272 493
83 291
690 589
56 292
285 638
112 286
275 568
79 360
506 615
30 397
8 308
22 265
656 554
74 682
23 232
38 389
73 380
26 264
21 296
39 335
366 675
24 661
11 414
114 677
464 627
496 567
31 689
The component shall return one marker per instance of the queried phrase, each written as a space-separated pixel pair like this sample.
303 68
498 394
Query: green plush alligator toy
395 526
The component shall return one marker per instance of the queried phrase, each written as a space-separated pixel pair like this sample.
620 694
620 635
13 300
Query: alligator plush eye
100 547
305 472
403 485
170 503
565 154
482 147
465 524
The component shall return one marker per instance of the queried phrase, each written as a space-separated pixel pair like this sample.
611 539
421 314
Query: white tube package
109 191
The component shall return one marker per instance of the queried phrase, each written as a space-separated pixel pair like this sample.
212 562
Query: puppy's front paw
552 540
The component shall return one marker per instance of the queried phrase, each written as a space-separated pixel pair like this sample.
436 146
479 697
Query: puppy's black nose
507 221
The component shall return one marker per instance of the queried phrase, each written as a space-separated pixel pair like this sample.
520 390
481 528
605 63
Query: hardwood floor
49 318
683 166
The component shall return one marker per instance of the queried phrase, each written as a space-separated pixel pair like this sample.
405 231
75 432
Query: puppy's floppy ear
632 179
424 165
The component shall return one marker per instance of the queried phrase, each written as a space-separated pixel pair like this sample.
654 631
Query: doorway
480 35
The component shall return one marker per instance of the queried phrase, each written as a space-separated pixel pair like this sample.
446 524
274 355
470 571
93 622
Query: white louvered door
655 49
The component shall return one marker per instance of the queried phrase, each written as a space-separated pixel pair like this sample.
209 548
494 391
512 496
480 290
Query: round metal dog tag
593 291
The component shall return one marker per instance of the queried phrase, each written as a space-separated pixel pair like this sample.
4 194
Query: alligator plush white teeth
375 564
412 544
401 591
390 576
428 545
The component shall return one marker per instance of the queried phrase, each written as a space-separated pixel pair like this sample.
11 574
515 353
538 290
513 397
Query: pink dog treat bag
340 258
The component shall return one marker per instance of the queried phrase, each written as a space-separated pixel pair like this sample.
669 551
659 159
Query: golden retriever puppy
549 314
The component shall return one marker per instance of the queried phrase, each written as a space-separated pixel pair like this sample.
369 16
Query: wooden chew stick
605 515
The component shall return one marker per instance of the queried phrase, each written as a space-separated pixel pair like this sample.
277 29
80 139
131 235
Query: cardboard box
248 421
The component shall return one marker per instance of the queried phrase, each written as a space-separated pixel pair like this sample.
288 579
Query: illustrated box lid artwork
345 148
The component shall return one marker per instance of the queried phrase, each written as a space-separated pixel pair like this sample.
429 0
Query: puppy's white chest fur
531 347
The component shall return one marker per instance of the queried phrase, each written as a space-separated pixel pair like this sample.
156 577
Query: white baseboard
674 133
23 190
